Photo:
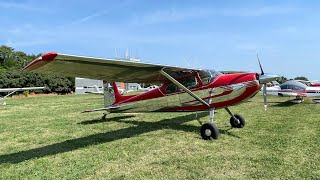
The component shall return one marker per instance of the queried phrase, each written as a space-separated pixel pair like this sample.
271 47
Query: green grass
47 138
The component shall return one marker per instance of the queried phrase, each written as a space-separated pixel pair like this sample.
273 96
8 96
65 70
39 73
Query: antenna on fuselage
127 54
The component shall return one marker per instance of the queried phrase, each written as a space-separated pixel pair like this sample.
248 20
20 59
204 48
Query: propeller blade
262 73
265 96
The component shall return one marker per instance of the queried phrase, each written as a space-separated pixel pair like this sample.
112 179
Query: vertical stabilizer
96 89
118 97
112 95
109 97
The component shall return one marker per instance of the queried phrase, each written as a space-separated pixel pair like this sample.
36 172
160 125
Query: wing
105 69
20 89
233 72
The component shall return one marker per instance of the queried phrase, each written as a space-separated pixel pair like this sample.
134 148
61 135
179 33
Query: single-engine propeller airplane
297 89
313 83
183 89
13 90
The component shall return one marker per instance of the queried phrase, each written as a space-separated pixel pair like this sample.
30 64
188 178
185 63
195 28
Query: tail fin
96 89
118 97
112 94
139 87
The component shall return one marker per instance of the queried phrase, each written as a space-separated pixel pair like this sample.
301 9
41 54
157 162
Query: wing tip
40 61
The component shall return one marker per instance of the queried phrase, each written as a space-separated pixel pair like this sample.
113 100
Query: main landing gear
209 130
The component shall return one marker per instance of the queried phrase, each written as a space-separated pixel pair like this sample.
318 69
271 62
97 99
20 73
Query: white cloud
259 11
89 17
176 15
171 15
25 6
27 43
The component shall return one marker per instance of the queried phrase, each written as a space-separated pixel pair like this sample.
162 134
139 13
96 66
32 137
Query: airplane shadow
284 104
99 138
96 121
94 98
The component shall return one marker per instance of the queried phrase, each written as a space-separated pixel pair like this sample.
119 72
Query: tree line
11 63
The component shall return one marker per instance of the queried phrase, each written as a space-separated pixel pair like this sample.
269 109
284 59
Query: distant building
131 86
84 85
87 85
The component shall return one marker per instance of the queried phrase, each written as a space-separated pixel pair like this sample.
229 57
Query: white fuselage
308 92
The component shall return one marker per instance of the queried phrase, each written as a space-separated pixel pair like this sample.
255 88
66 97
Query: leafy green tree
11 63
282 79
301 78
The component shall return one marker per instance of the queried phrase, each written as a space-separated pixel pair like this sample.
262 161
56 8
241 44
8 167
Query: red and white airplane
10 91
182 90
313 83
297 89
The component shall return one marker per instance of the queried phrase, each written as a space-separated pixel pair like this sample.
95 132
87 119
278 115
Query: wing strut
184 88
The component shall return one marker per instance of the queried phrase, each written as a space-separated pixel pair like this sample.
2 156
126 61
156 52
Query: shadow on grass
99 138
96 121
94 98
284 104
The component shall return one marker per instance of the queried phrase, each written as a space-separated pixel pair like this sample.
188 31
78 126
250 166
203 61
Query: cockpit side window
171 88
190 82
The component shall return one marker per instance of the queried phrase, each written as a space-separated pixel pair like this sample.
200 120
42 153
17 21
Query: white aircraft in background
147 88
100 92
313 83
13 90
296 89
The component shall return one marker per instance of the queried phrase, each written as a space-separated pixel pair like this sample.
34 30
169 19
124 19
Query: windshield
209 75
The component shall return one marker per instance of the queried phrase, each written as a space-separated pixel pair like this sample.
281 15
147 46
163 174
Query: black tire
237 124
208 131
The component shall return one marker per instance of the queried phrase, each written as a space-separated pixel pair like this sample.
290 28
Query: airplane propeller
264 79
262 73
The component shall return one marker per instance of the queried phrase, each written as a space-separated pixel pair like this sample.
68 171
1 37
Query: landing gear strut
236 121
209 130
104 117
298 100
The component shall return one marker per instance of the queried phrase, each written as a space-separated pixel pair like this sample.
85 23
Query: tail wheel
239 122
208 131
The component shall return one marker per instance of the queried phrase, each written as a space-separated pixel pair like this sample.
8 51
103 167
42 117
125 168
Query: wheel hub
236 122
208 132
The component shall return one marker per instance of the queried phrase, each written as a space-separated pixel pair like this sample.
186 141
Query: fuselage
294 88
220 91
315 84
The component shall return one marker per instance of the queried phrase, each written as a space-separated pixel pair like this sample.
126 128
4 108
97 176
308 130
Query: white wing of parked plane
20 89
13 90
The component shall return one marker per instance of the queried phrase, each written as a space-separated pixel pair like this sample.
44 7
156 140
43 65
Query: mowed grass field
48 138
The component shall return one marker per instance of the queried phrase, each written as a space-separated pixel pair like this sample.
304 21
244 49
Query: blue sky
222 35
